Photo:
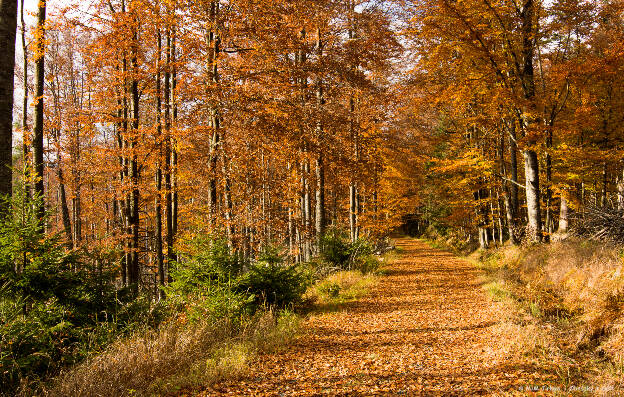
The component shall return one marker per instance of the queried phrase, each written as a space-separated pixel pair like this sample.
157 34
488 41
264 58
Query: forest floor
426 328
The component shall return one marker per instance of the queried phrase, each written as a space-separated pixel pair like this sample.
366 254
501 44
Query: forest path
426 328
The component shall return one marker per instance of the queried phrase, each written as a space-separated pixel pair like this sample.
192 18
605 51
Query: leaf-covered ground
426 328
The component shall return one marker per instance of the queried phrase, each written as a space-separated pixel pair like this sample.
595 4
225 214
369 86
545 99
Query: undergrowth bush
337 250
274 284
54 310
217 284
457 241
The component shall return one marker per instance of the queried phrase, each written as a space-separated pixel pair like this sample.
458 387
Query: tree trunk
563 215
509 192
8 27
501 238
39 103
25 137
77 199
159 176
531 167
306 210
174 151
213 54
119 205
531 163
482 213
227 202
605 185
320 161
62 191
353 189
510 220
168 154
64 208
620 187
513 153
134 270
549 218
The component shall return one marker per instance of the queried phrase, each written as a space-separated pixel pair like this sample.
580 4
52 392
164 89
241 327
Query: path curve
427 328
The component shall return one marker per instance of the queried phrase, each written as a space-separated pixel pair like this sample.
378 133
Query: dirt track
427 328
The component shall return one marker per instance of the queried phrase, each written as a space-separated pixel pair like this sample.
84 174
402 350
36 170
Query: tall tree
39 58
8 26
25 135
531 162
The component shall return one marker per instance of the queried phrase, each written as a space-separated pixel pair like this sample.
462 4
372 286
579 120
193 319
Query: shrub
209 259
210 282
335 248
338 251
368 264
274 284
56 308
329 289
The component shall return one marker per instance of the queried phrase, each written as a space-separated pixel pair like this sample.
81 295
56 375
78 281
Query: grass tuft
341 287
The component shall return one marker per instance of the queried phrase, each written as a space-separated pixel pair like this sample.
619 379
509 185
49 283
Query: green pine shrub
274 284
337 250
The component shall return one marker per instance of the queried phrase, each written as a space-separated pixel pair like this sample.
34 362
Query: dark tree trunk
174 152
134 271
159 177
213 54
168 154
353 188
320 160
25 137
8 26
39 103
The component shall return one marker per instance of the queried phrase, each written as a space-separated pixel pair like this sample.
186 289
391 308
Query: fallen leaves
426 328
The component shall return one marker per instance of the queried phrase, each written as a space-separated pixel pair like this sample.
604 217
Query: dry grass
177 357
341 287
574 293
